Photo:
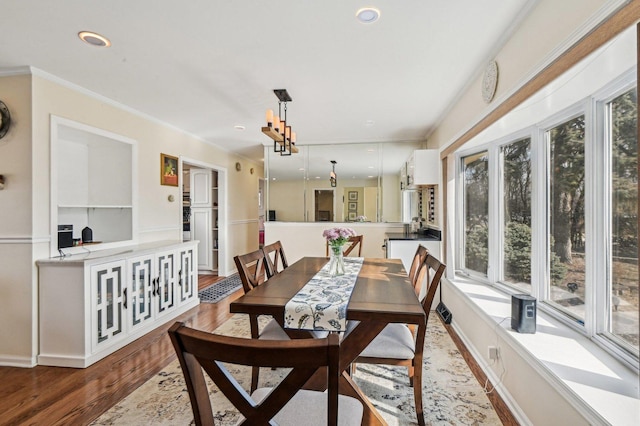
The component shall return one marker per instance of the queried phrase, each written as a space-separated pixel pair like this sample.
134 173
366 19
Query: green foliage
477 243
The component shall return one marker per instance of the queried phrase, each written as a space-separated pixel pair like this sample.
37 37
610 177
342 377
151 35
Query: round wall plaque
490 81
5 119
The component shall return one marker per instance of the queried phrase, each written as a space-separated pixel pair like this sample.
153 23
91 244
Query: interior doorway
204 213
324 205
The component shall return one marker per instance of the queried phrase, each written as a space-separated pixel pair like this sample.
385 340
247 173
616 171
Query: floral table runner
322 303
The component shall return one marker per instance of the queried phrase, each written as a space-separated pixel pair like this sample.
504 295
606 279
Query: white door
201 231
200 187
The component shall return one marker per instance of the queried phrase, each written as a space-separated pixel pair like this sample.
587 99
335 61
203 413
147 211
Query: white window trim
597 226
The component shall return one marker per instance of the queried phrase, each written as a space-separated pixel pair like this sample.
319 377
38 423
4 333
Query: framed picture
353 205
352 215
168 170
353 195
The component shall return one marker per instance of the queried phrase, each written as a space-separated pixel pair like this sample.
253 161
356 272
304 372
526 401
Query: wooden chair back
274 255
252 269
354 242
418 259
198 350
434 271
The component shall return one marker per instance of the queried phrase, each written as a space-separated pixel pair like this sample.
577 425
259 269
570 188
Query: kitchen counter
400 236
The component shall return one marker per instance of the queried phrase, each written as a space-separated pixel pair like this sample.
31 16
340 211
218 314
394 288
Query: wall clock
5 119
490 81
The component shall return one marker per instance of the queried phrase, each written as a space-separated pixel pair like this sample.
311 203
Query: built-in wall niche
92 179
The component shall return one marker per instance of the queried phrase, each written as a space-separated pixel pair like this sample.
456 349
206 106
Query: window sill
597 384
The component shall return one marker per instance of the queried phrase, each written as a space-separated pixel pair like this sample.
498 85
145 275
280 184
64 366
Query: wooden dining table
382 294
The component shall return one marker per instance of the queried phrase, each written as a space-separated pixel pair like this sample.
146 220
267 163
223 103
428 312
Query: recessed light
301 169
239 127
317 177
368 15
371 167
94 39
369 123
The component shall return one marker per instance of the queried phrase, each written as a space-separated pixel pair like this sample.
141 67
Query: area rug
451 394
218 291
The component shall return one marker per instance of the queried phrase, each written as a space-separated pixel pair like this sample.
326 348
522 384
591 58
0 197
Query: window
622 291
557 217
476 212
516 212
566 203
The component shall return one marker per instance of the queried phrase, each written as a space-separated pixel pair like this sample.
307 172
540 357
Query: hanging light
284 139
333 179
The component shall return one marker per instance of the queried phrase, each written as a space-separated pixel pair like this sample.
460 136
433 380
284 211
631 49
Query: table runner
322 303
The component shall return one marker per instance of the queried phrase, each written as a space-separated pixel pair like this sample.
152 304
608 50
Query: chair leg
254 378
411 373
417 393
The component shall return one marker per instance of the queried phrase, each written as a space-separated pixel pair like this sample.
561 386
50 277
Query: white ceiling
205 66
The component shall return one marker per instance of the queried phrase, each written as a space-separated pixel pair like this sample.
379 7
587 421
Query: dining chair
284 404
355 241
274 254
252 268
401 344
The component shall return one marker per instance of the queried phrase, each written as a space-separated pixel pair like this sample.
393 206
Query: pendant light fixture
284 139
333 179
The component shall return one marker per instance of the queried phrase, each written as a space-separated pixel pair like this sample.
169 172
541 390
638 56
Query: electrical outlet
493 352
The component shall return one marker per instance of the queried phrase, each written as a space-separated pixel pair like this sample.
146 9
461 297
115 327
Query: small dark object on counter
87 235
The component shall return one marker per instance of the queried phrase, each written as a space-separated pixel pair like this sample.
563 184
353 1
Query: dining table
382 294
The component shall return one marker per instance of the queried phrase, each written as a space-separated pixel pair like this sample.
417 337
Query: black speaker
523 313
272 215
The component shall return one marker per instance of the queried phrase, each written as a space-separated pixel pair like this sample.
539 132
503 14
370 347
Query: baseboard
511 403
17 361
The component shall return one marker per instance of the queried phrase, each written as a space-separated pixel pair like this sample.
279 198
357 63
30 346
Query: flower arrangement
337 237
362 218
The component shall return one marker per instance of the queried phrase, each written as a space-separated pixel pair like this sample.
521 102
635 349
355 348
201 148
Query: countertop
400 236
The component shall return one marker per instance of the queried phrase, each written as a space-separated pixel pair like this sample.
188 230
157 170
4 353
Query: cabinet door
200 188
166 282
187 274
108 295
201 231
140 290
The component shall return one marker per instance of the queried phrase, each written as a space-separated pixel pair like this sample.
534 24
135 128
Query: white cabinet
423 168
406 249
91 306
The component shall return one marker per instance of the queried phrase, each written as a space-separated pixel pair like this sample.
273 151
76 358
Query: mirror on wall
367 186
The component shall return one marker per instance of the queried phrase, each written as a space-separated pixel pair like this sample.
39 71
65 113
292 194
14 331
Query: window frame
598 150
603 159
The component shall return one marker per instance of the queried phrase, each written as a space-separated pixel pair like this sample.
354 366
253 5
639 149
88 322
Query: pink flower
338 236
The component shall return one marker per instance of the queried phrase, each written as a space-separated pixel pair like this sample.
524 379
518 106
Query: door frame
223 244
313 203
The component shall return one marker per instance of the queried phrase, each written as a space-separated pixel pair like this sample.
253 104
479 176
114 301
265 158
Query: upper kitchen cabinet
92 186
423 168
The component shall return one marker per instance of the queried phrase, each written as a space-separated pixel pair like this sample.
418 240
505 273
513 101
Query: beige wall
536 42
550 24
24 217
17 279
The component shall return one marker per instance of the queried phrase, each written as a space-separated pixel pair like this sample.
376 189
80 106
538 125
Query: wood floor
71 396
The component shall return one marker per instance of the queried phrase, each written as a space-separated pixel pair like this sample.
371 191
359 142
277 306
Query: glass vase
336 262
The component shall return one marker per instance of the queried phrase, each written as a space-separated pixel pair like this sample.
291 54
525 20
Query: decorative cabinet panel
108 295
187 275
92 305
141 290
166 282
